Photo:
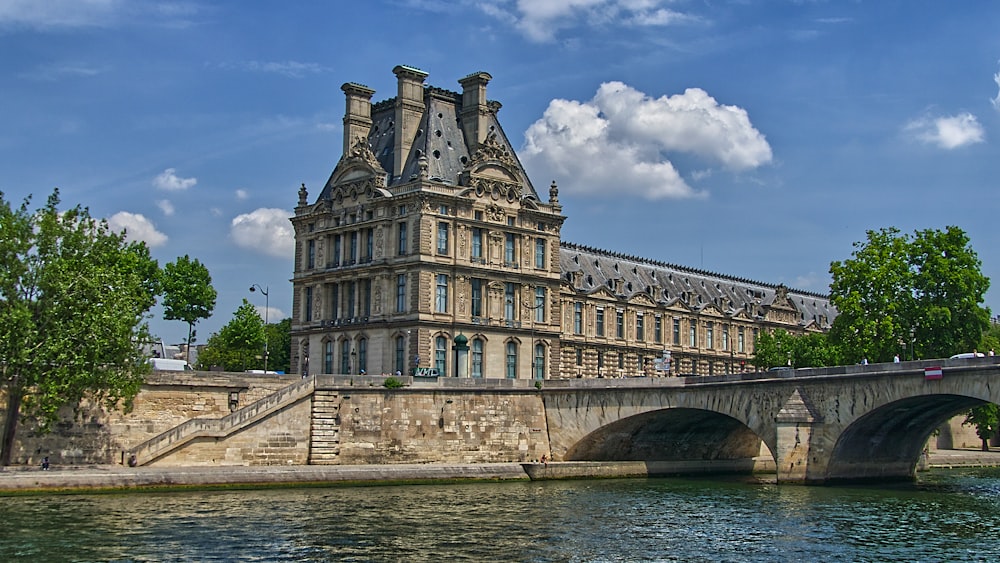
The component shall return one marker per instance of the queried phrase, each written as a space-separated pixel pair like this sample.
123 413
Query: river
948 515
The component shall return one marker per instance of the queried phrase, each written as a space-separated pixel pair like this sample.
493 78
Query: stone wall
418 426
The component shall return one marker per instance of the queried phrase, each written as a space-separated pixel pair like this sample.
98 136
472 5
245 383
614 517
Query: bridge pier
793 458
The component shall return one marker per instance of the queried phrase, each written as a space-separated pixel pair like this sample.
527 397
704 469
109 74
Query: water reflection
948 516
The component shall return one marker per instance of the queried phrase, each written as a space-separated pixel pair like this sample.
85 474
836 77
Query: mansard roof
589 270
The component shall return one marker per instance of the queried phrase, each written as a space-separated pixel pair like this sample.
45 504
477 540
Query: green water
949 515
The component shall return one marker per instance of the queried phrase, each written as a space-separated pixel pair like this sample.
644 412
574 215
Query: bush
392 383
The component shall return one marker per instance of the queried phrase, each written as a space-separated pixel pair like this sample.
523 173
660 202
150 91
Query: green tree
279 339
986 419
74 297
928 288
773 349
239 345
188 294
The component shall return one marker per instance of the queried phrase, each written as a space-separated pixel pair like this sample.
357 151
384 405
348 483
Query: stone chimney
358 115
409 110
475 110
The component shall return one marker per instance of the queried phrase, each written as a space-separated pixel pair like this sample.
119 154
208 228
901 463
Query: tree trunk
10 422
986 445
187 350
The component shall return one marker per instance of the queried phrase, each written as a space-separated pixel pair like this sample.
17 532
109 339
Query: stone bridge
848 423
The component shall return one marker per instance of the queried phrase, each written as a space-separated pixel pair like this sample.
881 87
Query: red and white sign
933 372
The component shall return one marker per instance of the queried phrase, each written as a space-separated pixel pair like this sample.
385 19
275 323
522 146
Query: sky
758 139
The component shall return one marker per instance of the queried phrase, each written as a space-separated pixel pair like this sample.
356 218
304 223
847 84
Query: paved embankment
114 477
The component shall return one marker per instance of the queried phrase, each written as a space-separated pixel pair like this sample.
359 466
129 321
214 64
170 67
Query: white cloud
137 228
169 181
266 230
166 207
53 72
623 140
541 20
242 194
273 315
58 13
947 132
291 69
996 100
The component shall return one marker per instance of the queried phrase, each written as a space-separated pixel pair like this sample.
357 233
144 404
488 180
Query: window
511 360
755 341
352 257
477 358
351 286
508 301
400 354
577 318
477 243
328 356
440 354
369 244
658 329
508 249
443 210
478 215
620 323
710 335
334 302
693 334
336 251
600 321
401 293
600 363
510 221
441 301
540 253
539 304
401 245
311 254
579 356
725 337
677 332
640 327
539 362
621 360
442 246
477 297
366 297
740 340
345 356
363 355
309 304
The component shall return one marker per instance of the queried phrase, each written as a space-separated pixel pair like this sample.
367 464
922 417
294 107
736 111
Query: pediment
359 163
642 299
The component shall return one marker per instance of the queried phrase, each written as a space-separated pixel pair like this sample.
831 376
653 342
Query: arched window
328 356
400 353
363 355
539 362
511 360
477 358
440 354
345 356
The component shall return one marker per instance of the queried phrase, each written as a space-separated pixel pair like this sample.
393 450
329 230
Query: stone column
794 424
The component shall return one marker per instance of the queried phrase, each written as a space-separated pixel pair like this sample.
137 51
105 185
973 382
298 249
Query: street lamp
263 291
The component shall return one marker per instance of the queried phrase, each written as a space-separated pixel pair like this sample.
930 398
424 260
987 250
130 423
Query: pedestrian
864 361
895 359
45 463
991 352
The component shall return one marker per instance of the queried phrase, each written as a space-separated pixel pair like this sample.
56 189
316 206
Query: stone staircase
172 439
324 446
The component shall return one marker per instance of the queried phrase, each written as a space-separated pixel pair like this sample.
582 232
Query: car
779 368
168 364
965 355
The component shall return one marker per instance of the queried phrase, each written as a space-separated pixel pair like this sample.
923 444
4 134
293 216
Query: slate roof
589 270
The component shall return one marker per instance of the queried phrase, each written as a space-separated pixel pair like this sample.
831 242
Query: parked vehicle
965 355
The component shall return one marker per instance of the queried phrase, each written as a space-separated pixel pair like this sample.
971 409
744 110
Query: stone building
430 251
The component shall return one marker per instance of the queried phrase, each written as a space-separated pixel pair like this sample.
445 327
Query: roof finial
554 193
303 195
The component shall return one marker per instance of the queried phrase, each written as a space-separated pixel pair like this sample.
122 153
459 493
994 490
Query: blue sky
757 139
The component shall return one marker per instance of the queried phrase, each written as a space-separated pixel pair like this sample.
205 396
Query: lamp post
263 291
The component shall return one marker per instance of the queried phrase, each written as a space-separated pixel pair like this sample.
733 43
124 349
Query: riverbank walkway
20 479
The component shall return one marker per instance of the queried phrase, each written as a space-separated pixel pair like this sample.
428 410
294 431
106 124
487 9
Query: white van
167 364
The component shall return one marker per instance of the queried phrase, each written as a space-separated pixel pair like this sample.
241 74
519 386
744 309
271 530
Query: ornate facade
429 251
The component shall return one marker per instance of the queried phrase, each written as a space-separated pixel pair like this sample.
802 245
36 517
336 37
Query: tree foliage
188 294
896 291
279 342
986 419
781 348
73 302
239 345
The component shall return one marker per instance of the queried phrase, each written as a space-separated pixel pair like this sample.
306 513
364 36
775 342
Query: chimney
474 108
358 115
409 110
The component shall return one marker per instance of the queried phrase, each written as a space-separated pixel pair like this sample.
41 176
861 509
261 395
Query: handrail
168 441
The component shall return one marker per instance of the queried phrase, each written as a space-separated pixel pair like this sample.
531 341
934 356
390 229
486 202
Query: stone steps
324 445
